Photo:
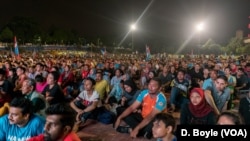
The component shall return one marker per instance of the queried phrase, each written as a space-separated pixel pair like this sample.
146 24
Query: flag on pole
103 51
148 55
16 51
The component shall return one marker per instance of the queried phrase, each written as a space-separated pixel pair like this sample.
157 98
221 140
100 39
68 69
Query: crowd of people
51 96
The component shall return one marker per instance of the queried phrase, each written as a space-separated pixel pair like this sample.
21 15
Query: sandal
123 129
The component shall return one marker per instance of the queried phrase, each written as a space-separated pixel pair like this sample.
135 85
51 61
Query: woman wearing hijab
197 111
130 94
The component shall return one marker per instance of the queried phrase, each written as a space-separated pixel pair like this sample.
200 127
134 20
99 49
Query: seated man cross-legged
152 102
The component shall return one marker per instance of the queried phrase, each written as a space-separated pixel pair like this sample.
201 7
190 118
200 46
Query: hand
78 117
47 94
79 114
124 99
117 122
48 99
134 133
106 101
79 111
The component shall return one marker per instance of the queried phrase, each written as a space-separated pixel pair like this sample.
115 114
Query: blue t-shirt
174 139
11 132
207 84
117 91
219 99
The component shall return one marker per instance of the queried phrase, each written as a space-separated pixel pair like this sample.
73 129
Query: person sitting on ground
209 82
87 103
129 96
21 123
59 124
66 81
117 78
178 95
164 127
153 102
231 85
218 94
115 96
53 92
5 89
166 78
38 100
20 71
241 80
40 83
244 108
229 117
12 77
197 111
102 86
66 78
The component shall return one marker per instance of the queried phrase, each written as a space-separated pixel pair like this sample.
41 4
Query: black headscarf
131 84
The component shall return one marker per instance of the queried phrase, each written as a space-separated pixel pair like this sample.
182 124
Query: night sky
170 20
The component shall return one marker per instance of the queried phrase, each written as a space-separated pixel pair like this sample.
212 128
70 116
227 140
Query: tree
210 47
246 49
6 35
234 44
24 28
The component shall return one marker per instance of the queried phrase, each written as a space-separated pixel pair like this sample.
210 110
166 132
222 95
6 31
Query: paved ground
96 131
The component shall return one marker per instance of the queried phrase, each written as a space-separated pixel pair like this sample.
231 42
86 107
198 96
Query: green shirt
37 101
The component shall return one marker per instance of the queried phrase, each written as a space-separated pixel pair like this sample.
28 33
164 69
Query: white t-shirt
88 100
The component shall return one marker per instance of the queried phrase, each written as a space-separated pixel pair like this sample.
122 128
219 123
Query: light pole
199 28
132 29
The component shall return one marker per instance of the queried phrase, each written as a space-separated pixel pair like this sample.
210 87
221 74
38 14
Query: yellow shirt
102 88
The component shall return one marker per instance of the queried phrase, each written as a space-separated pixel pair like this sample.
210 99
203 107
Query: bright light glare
200 26
133 27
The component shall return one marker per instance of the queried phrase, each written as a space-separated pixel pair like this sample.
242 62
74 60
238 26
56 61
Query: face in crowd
53 129
195 98
220 84
17 117
154 87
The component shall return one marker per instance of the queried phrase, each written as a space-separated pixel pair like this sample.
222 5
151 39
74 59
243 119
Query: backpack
105 116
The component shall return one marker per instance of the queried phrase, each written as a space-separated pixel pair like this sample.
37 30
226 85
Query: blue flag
148 54
16 51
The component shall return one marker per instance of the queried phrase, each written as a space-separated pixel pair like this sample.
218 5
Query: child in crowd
163 127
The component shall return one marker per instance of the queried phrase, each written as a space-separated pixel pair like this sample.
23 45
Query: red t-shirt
70 137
